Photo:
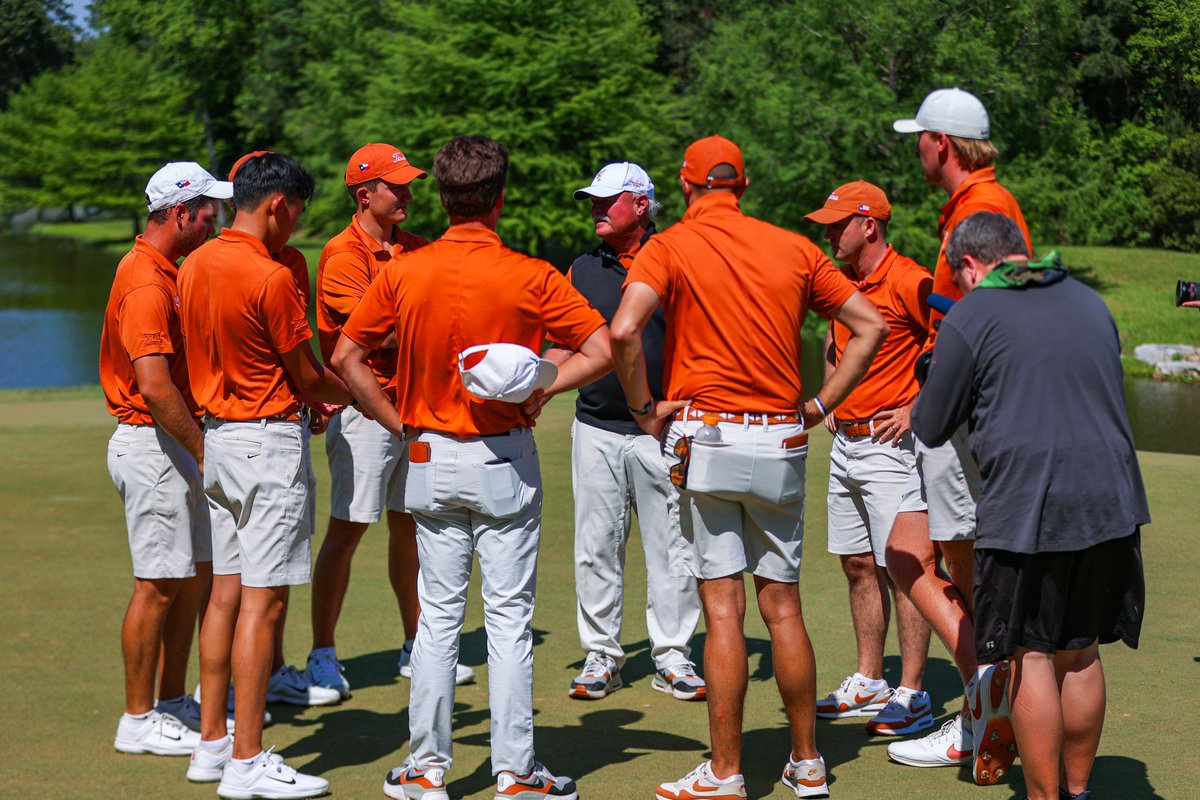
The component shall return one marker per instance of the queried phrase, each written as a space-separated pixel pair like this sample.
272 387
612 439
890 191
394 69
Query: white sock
138 717
724 781
216 745
872 683
245 764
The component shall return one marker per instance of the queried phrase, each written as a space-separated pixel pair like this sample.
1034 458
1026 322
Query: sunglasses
683 451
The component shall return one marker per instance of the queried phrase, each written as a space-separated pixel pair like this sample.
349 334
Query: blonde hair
973 154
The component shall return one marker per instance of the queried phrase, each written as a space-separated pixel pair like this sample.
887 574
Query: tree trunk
212 155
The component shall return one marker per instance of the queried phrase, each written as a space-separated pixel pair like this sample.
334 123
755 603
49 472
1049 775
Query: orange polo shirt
141 319
898 287
735 290
240 309
297 264
979 192
349 263
465 289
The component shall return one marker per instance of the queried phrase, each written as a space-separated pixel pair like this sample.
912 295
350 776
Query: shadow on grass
600 739
1118 776
1088 277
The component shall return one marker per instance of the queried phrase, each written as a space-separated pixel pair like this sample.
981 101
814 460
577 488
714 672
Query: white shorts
367 468
867 481
947 480
743 507
166 513
256 478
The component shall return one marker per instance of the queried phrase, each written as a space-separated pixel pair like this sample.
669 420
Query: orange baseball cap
238 164
704 154
381 161
849 199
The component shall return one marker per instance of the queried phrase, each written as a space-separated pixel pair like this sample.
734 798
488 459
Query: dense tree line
1095 104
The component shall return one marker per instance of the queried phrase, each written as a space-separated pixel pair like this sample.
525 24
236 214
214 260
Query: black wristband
644 410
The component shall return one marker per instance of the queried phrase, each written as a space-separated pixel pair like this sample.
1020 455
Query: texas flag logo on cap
863 207
364 166
182 184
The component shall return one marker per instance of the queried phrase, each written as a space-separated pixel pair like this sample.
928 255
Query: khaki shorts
256 478
166 513
947 481
367 468
756 523
867 482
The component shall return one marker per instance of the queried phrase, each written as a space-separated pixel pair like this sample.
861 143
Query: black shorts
1058 601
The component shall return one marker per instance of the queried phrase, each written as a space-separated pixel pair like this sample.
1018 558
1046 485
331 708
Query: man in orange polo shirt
735 290
366 463
154 457
872 460
467 303
250 366
937 516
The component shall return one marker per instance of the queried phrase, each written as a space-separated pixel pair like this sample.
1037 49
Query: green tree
35 36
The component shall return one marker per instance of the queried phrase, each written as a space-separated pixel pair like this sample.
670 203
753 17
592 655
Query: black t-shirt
1037 373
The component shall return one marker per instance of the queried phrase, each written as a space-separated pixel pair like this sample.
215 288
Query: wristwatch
644 410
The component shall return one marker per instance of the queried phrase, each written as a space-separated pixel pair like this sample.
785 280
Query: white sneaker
159 734
406 781
948 746
207 766
701 784
599 678
288 685
267 719
540 784
991 720
269 777
909 711
325 670
462 673
855 697
680 681
806 778
183 708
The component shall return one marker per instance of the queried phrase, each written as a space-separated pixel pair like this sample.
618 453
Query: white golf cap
953 112
181 181
620 176
506 372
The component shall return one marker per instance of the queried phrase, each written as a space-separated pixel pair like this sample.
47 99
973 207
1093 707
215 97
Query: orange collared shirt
735 290
898 287
349 263
141 319
297 264
979 192
464 289
240 310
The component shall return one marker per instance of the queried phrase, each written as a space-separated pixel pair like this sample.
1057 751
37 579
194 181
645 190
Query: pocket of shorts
501 492
719 468
419 487
779 475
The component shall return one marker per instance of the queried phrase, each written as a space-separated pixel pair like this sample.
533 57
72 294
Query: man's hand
811 414
831 423
891 425
532 407
660 415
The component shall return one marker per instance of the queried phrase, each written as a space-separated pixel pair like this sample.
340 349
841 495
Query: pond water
53 292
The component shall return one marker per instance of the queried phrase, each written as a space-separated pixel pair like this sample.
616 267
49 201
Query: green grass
66 580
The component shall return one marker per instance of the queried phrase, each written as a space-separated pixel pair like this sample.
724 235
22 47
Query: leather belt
864 427
725 416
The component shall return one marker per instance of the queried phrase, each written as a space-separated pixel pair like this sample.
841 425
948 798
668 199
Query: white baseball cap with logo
506 372
953 112
181 181
620 176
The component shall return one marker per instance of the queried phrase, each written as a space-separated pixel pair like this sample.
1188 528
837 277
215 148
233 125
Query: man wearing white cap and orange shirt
154 456
616 469
473 484
937 516
872 460
367 464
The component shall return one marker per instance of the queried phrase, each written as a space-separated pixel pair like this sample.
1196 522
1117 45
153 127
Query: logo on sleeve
154 338
300 326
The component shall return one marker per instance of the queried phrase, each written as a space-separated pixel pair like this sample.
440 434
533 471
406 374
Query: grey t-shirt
1036 372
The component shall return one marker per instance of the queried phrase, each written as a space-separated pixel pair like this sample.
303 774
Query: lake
53 292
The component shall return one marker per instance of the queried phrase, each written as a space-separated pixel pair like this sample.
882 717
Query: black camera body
1187 292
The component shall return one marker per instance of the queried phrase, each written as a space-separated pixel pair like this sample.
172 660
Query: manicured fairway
65 578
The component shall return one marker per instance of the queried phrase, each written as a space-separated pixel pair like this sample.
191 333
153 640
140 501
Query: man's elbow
624 334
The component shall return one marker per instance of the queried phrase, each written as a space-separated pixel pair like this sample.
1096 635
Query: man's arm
311 379
629 356
946 398
867 332
830 362
349 359
166 404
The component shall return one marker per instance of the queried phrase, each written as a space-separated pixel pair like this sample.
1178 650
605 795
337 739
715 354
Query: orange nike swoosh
700 787
858 698
954 752
811 784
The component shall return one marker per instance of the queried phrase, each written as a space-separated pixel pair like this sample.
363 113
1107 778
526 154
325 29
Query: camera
1187 292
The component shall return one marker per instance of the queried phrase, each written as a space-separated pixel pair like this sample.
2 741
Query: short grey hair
652 209
986 236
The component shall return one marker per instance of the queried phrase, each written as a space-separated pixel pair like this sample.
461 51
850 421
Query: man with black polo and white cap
617 468
953 142
154 457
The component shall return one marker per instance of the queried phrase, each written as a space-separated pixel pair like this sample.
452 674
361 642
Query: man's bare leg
253 645
216 643
870 609
403 566
1037 717
179 630
331 577
725 669
913 632
277 659
794 662
141 639
1081 680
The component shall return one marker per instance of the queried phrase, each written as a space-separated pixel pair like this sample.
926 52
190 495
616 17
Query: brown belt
770 419
862 428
